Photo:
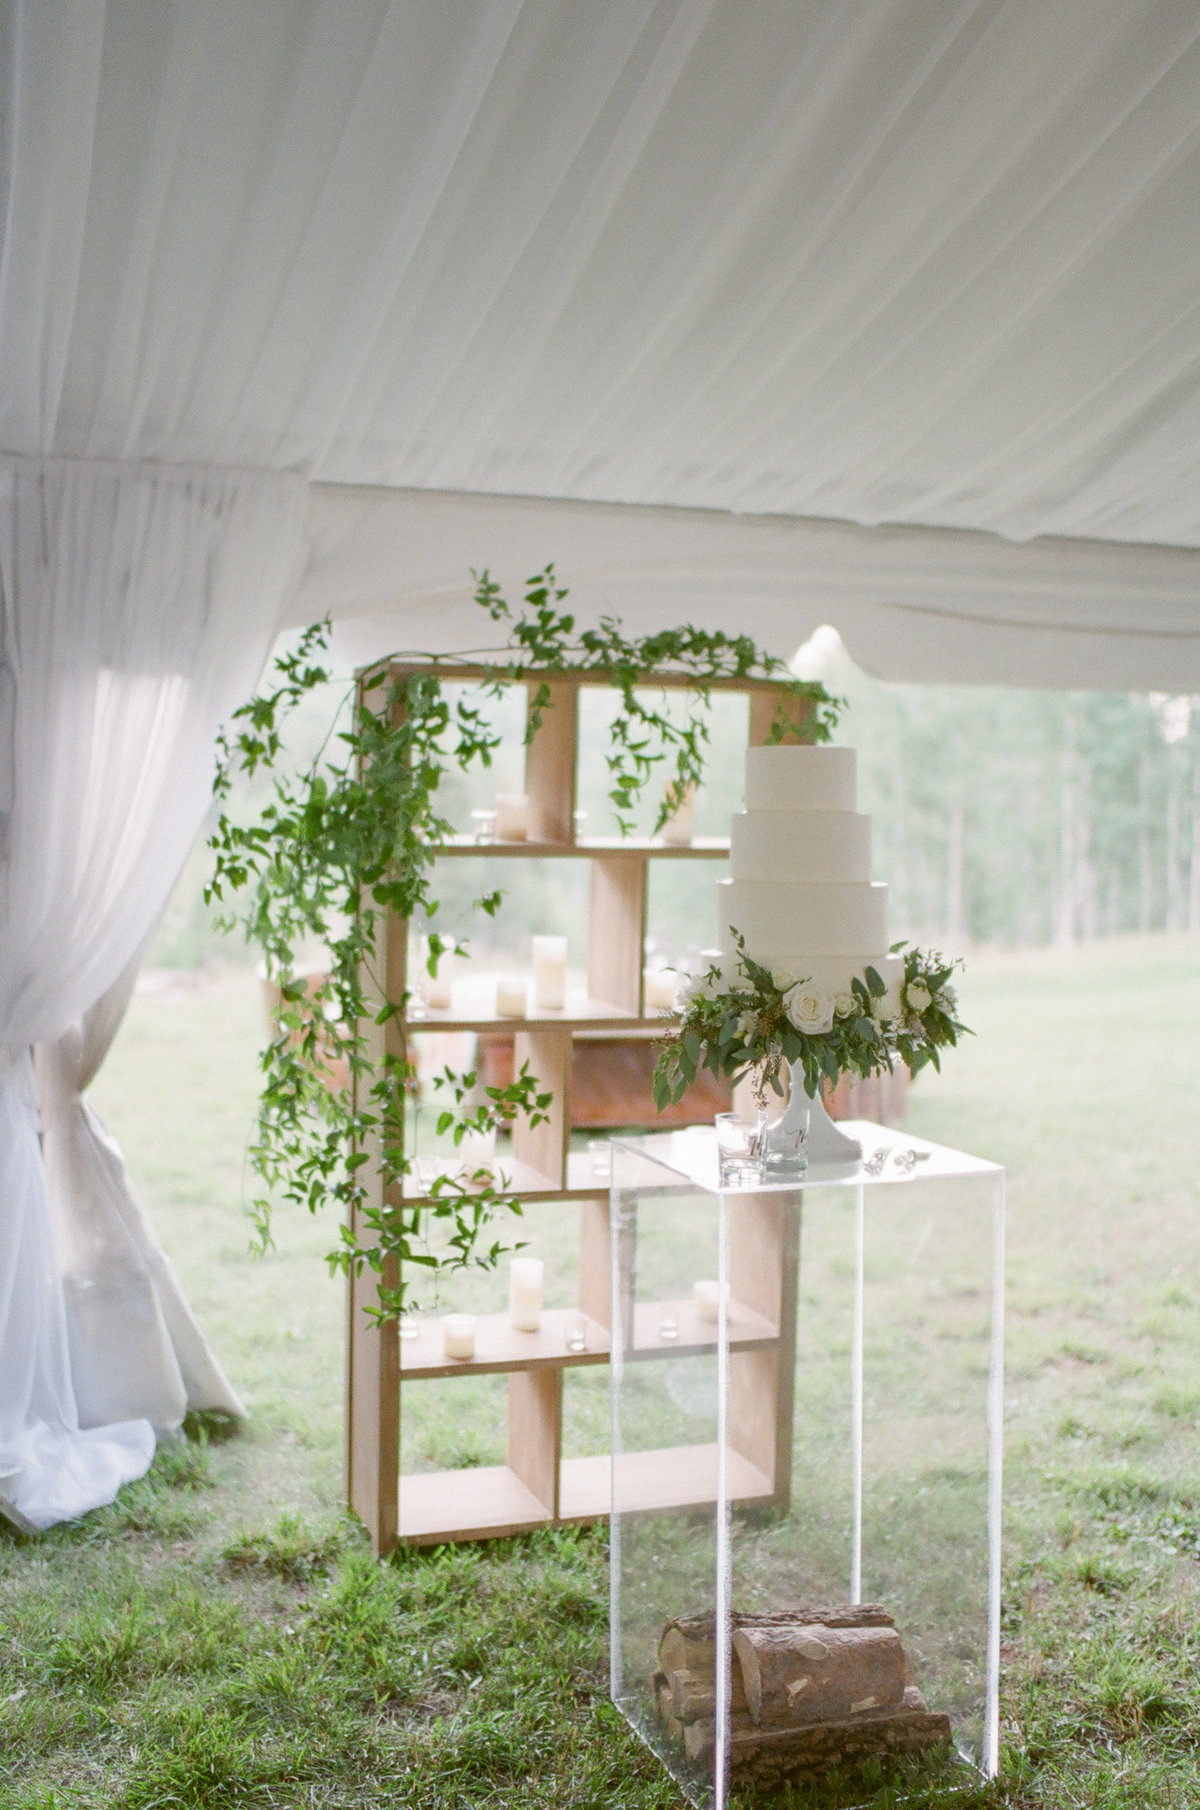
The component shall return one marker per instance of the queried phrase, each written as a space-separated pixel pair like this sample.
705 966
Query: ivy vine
353 838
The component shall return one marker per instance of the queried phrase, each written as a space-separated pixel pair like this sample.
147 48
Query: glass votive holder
600 1157
575 1332
458 1335
668 1325
739 1150
409 1327
483 826
680 826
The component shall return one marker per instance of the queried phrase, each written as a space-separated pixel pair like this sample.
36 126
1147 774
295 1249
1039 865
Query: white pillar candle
550 972
512 817
525 1293
679 827
437 989
511 992
708 1297
662 985
458 1335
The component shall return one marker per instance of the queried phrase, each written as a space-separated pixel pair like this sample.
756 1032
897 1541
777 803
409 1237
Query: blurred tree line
1019 817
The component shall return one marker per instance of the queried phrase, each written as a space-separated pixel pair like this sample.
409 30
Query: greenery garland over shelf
354 837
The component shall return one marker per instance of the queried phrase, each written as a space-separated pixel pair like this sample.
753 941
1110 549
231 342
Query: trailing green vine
353 838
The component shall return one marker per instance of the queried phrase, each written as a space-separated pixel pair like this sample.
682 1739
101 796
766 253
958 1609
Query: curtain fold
137 603
136 1351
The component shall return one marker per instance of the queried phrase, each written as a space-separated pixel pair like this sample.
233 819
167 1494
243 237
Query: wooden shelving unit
537 1486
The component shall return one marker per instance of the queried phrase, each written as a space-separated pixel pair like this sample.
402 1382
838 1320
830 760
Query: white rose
918 996
845 1006
889 1006
783 978
809 1009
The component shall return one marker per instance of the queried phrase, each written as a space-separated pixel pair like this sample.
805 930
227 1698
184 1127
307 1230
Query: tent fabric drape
859 260
925 604
136 1351
136 606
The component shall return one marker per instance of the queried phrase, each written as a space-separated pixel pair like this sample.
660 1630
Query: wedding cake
801 892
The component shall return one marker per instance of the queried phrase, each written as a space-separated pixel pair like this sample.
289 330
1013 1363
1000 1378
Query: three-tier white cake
801 892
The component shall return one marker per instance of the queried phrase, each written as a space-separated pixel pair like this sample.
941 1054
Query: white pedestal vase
804 1133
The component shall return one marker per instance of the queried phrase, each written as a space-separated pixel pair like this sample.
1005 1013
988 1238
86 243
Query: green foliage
353 838
765 1019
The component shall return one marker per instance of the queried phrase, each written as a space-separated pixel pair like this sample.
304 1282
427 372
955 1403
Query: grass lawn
221 1637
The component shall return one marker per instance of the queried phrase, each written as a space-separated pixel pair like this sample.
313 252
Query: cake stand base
826 1144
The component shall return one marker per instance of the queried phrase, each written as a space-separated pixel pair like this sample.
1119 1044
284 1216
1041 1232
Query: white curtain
137 603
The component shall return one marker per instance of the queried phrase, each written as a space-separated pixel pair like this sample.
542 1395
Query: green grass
220 1636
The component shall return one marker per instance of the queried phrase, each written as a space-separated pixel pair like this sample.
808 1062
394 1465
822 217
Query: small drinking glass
575 1332
739 1150
483 826
600 1154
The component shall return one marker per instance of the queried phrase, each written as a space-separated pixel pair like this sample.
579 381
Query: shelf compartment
499 1347
474 1014
670 1477
748 1331
479 1504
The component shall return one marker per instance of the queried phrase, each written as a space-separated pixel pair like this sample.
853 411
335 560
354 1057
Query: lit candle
437 988
679 826
662 984
458 1335
525 1293
550 972
512 817
708 1297
511 992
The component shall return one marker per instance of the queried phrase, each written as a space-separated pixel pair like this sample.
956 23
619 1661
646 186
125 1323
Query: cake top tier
800 778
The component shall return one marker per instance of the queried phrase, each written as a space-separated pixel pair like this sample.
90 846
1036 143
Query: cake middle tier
783 920
800 846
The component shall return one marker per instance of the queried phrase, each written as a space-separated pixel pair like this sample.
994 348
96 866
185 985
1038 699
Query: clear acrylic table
806 1463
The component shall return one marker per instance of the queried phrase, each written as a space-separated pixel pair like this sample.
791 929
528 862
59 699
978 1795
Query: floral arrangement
765 1017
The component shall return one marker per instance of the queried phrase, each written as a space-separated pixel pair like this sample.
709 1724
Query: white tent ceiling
930 265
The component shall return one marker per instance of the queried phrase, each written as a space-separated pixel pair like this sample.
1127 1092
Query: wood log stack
812 1691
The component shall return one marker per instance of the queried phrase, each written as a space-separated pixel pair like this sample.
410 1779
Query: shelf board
489 1502
748 1331
700 848
672 1477
499 1347
481 1504
516 1177
472 1011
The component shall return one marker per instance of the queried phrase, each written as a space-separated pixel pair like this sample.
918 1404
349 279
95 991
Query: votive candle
550 972
458 1335
512 817
511 993
525 1293
708 1297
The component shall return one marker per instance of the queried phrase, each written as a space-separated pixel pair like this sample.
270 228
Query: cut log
690 1696
766 1758
796 1672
